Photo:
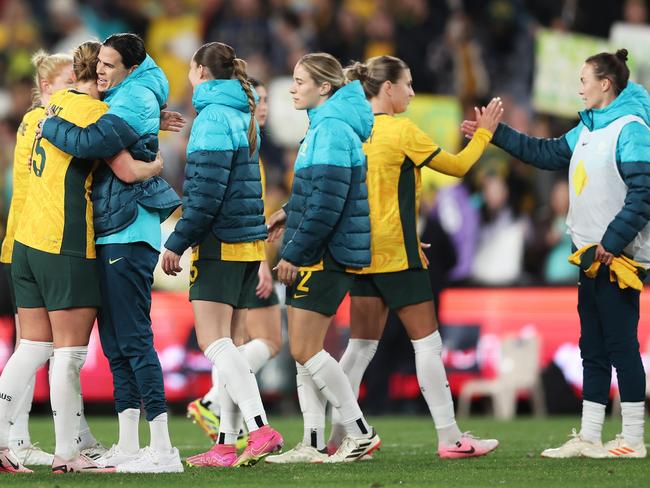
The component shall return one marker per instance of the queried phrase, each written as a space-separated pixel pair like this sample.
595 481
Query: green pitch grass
407 458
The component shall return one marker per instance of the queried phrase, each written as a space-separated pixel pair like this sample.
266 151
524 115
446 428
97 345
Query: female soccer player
127 223
54 272
223 218
327 232
397 277
608 158
263 337
53 73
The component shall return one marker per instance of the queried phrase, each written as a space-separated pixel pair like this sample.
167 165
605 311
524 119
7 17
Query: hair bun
38 57
358 71
622 54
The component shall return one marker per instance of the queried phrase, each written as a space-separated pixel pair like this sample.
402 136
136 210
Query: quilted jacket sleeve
206 180
101 140
330 176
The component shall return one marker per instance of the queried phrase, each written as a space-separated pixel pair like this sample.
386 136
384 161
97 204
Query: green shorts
397 289
229 282
319 291
258 302
7 270
53 281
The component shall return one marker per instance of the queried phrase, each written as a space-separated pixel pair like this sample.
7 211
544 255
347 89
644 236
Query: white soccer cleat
151 461
616 449
302 453
467 446
115 456
94 452
355 448
32 455
572 448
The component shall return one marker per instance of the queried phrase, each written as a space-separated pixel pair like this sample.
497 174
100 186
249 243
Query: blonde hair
47 67
222 63
324 67
84 64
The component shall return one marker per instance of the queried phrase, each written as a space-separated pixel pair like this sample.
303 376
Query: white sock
211 398
633 418
593 417
19 431
432 379
65 394
332 382
159 431
312 404
354 362
129 437
19 370
231 418
257 353
86 437
239 380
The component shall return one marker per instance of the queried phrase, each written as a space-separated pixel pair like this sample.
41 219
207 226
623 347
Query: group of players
84 236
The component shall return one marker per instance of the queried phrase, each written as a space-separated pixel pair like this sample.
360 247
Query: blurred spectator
380 30
460 221
243 25
499 254
635 12
172 40
552 245
456 63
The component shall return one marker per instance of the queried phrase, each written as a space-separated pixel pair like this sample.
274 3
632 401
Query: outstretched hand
485 117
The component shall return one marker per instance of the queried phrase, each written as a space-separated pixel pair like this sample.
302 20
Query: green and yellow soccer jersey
396 150
58 215
22 152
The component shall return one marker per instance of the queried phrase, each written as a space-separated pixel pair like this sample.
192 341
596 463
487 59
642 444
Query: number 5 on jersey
38 165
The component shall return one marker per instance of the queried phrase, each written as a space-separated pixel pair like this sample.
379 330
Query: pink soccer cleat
9 462
220 456
261 443
467 446
79 464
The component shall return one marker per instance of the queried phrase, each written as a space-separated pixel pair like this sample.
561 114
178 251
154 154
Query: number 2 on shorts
302 285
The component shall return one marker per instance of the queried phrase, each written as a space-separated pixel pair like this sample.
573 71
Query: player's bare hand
490 116
276 224
265 281
287 272
171 121
603 256
171 263
158 163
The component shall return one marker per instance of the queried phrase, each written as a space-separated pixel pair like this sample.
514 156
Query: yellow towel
623 270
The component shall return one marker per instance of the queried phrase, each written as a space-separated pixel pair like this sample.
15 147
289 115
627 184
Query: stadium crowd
510 214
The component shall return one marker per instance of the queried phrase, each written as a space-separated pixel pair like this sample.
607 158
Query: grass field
407 458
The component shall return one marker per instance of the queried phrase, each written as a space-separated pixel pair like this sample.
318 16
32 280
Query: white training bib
597 192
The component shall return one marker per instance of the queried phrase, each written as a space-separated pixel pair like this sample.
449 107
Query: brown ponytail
239 72
222 63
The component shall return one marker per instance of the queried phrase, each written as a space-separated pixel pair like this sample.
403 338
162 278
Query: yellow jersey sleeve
459 164
25 137
416 144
